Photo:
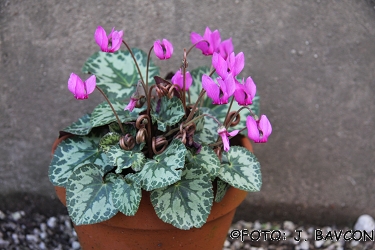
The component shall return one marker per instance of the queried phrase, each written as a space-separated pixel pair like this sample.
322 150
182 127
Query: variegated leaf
206 159
73 152
116 73
167 112
187 203
89 197
127 194
109 139
103 114
164 169
221 189
125 159
209 133
81 127
241 169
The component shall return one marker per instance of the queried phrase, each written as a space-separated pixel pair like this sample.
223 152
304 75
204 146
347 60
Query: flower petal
168 48
225 48
265 127
72 82
220 65
101 38
211 88
90 84
252 129
158 50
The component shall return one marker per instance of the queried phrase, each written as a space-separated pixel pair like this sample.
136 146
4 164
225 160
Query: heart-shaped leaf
116 73
89 197
167 112
127 194
241 169
187 203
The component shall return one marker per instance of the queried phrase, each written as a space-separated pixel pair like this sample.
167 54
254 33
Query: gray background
313 62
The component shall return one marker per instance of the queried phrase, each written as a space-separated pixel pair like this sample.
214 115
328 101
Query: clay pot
146 231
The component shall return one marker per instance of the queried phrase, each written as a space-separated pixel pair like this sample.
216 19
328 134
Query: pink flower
163 50
210 41
178 79
131 105
245 92
224 136
220 92
258 131
233 64
226 48
81 89
111 43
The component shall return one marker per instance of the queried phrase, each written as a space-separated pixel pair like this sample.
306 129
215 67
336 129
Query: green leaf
109 139
81 127
187 203
221 189
89 197
241 169
103 114
169 113
209 133
206 159
73 152
116 73
124 159
127 194
164 169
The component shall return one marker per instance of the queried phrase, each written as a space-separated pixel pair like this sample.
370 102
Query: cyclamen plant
167 138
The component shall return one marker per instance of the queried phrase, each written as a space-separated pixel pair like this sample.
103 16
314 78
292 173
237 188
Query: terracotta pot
146 231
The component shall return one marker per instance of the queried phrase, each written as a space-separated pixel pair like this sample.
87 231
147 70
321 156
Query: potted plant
161 143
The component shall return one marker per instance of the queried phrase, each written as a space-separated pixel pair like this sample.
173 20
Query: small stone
4 243
42 246
32 238
76 245
365 223
319 243
2 215
52 222
303 246
257 225
288 225
17 215
226 243
43 227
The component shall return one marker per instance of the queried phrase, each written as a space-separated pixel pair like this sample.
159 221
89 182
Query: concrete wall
313 62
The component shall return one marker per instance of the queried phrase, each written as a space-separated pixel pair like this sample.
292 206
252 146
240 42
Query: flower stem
136 65
113 110
227 115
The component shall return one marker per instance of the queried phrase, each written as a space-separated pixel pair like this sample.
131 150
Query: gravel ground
35 231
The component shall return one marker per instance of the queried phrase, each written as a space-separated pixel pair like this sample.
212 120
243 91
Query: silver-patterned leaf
167 112
89 197
241 169
221 189
209 133
206 159
127 194
116 73
125 159
108 140
73 152
103 114
164 169
187 203
81 127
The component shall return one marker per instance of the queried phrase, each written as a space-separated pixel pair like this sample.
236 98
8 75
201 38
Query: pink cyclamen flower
163 50
233 64
245 92
131 105
224 136
258 131
226 48
178 79
210 41
81 89
220 92
110 43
